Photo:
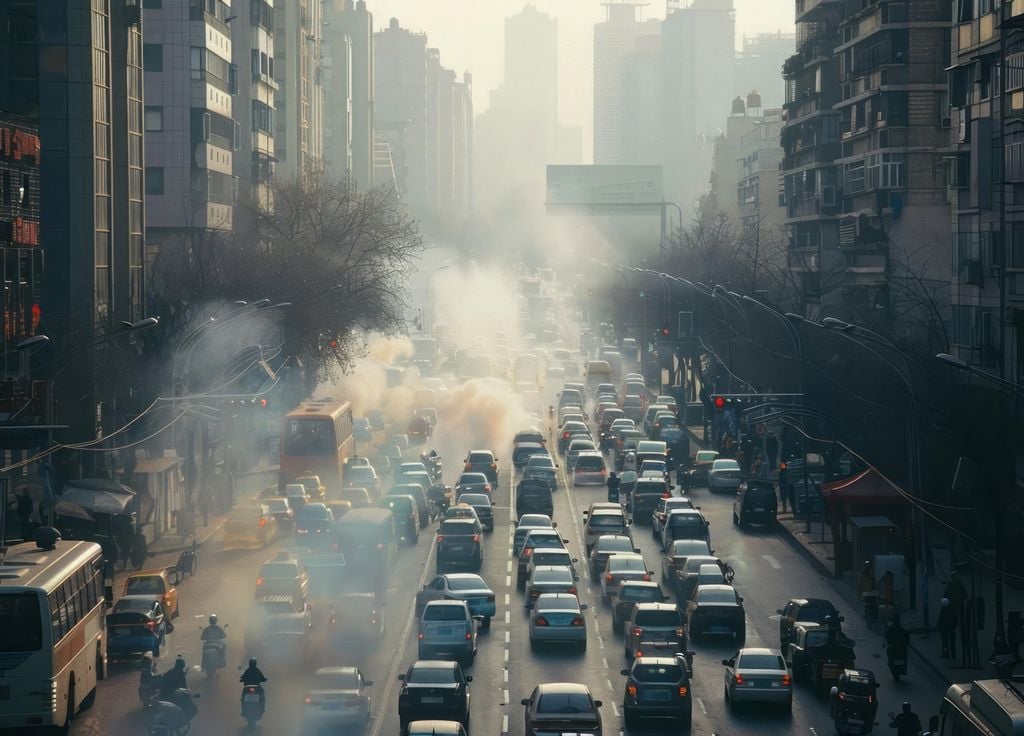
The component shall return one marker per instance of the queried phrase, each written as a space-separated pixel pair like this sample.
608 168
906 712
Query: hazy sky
470 35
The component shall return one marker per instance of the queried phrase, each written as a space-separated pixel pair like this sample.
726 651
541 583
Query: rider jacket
213 632
897 638
252 676
173 679
906 724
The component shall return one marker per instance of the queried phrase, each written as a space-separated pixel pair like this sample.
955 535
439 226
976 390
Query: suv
660 687
684 524
656 626
433 689
602 521
755 503
458 544
283 575
447 629
647 493
483 461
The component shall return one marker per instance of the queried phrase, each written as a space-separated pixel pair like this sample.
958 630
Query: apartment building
252 37
300 98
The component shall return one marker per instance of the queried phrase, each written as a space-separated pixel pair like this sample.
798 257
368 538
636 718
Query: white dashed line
508 567
508 580
504 674
504 724
508 636
772 561
615 709
600 643
609 684
508 599
703 708
604 661
506 696
507 618
506 656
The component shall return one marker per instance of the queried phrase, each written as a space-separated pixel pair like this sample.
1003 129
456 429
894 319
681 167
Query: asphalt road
768 572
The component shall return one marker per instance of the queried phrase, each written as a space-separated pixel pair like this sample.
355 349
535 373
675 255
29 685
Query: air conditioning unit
970 273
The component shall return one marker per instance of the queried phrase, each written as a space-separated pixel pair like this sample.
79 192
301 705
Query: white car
622 566
339 696
558 618
724 476
758 675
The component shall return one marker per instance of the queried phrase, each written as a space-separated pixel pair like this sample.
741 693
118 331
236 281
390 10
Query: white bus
53 644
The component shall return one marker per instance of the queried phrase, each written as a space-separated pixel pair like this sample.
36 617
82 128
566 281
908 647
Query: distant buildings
252 38
300 103
349 88
759 65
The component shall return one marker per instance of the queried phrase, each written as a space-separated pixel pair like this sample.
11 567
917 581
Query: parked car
154 584
657 687
561 707
135 625
433 689
758 675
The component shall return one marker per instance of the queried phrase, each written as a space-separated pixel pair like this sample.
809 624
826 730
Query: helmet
179 663
252 661
906 706
213 619
866 565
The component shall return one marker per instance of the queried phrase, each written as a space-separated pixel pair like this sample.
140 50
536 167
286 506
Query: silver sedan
558 617
758 675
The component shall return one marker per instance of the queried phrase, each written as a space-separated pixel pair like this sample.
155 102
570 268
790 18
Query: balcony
802 261
811 10
866 269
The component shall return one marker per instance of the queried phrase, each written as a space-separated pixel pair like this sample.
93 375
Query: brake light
782 466
263 521
540 621
565 435
609 577
631 690
638 632
468 466
680 631
476 537
666 494
252 690
259 582
494 466
151 625
577 621
787 682
871 698
842 695
527 551
573 590
440 538
308 701
469 635
738 679
487 488
421 635
683 690
646 578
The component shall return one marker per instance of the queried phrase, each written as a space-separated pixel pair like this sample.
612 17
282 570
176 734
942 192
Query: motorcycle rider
149 680
216 635
253 677
613 487
897 640
174 679
906 723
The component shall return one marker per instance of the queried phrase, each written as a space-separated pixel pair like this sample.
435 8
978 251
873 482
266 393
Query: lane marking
508 599
615 709
506 656
504 674
772 561
609 684
508 580
507 619
508 635
506 696
508 567
600 643
504 724
703 708
604 660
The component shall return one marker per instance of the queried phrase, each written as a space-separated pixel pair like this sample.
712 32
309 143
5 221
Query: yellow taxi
314 488
157 584
250 527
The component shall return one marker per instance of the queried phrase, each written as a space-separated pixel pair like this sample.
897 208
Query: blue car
136 625
467 587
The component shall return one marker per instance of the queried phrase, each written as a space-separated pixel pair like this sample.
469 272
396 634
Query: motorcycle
172 715
254 703
213 656
896 657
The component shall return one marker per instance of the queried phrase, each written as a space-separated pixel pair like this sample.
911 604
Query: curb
211 530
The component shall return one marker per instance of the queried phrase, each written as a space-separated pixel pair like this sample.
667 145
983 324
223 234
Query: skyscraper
252 40
349 126
299 138
614 40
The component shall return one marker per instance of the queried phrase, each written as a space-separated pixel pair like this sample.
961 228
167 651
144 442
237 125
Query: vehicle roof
535 520
639 584
448 602
724 462
549 688
529 446
759 650
656 607
665 661
721 587
434 664
482 452
337 671
813 602
435 727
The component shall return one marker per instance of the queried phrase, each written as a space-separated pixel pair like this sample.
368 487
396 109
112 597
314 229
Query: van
981 708
589 469
597 372
367 539
755 503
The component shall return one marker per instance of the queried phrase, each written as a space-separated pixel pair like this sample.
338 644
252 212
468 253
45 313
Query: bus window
310 437
21 628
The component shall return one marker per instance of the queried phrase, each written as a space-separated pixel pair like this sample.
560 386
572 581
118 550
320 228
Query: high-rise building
641 124
462 156
349 126
189 120
614 40
400 110
759 65
299 138
70 73
252 38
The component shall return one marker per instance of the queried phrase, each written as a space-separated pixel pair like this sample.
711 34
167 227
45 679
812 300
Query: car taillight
151 625
494 466
577 621
487 488
573 590
263 522
738 679
609 577
604 472
469 635
565 435
540 621
476 537
440 538
528 551
646 577
666 494
421 635
638 632
631 690
786 682
468 466
259 582
683 690
308 700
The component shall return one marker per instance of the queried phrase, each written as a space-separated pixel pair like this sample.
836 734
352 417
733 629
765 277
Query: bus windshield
21 625
310 437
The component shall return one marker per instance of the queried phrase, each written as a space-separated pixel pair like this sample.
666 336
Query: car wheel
788 707
583 647
730 701
533 645
685 722
487 622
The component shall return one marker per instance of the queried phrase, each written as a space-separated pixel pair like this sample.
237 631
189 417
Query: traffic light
263 403
720 403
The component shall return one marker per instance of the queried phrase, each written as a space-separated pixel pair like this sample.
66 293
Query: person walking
867 591
947 628
906 723
24 509
771 446
139 551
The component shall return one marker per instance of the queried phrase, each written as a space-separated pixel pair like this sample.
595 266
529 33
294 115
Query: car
459 544
135 625
687 574
392 452
481 503
552 556
710 574
435 728
605 546
447 629
577 446
362 476
313 519
401 441
665 505
619 567
361 429
571 414
356 616
268 608
418 494
655 628
644 498
358 497
675 557
567 430
154 584
542 468
527 523
549 579
536 539
433 689
462 511
252 526
633 407
533 496
530 435
338 697
473 482
406 515
410 467
466 587
601 521
755 503
589 469
758 675
280 509
561 707
523 451
716 610
283 575
697 475
558 618
315 489
483 461
296 494
724 476
419 430
657 687
684 524
814 610
377 418
339 508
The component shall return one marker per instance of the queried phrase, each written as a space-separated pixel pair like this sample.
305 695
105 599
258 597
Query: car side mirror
401 678
574 559
778 611
583 606
469 678
740 599
841 619
554 524
834 691
728 662
636 550
524 701
651 573
585 513
565 541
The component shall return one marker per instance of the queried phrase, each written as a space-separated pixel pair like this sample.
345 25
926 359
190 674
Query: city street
768 572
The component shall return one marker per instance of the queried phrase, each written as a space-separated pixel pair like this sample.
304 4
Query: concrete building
252 38
400 111
87 113
462 157
614 39
348 80
724 181
642 123
299 138
191 133
757 175
759 65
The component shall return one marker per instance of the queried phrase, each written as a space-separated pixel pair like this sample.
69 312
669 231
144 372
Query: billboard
605 189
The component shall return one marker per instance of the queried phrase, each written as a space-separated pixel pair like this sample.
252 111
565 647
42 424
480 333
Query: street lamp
960 363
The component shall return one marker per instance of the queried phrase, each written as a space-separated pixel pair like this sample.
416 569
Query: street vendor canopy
865 487
81 499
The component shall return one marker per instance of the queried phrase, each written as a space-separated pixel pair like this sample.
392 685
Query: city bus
53 646
980 708
315 440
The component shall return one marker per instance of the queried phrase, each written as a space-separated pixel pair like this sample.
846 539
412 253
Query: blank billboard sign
605 189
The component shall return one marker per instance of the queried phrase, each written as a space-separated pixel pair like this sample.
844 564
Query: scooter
213 656
172 716
254 703
896 657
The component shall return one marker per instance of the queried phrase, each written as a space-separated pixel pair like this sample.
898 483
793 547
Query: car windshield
543 540
554 557
540 461
725 465
661 617
552 576
444 613
647 488
669 673
705 456
474 582
615 545
309 436
337 681
685 547
716 595
431 676
816 613
590 463
604 520
694 521
762 662
622 563
469 478
564 703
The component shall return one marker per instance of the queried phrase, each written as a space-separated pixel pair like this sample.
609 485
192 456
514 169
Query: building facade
252 38
759 64
300 101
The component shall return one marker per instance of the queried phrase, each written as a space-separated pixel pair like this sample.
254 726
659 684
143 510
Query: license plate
431 699
855 721
445 631
657 695
332 706
252 698
758 510
456 548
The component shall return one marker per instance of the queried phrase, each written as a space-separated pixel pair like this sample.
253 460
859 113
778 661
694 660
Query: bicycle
187 562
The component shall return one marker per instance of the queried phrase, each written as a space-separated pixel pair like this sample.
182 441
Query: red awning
864 488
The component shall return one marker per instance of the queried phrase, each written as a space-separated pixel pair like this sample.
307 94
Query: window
154 180
153 57
152 4
854 177
21 628
885 171
197 62
154 118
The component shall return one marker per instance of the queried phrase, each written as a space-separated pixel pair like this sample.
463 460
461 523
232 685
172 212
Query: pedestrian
24 509
867 591
906 723
771 445
139 551
885 589
947 628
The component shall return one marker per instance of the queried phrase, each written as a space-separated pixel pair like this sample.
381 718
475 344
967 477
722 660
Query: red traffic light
665 332
263 403
720 403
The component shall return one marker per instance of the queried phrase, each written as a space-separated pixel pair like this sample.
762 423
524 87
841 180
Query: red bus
317 438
